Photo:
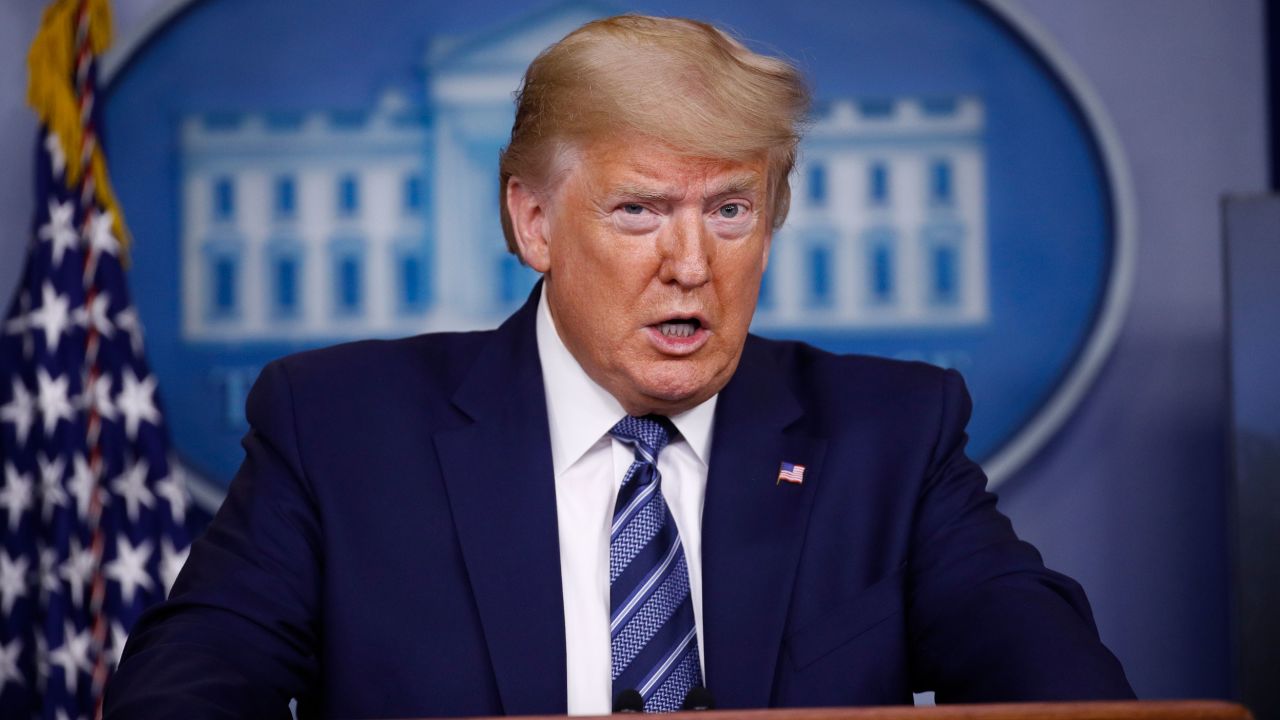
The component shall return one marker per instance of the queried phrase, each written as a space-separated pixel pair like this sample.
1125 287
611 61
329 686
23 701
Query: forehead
612 166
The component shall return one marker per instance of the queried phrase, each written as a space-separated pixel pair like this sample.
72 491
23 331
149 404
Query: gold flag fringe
51 92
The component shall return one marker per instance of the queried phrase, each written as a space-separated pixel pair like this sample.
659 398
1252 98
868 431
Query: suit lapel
499 478
753 529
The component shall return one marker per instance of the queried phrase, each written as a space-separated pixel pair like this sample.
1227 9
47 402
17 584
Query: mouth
679 328
680 335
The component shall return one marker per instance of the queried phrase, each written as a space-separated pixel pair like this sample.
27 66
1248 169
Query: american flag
92 507
791 472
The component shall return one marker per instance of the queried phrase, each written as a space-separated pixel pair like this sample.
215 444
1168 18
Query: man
619 495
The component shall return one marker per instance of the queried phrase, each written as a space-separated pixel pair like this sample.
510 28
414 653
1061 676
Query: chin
674 390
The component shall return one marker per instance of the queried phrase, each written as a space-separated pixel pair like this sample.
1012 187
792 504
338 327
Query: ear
529 223
764 260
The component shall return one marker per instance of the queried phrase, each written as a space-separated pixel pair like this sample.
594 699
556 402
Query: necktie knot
649 434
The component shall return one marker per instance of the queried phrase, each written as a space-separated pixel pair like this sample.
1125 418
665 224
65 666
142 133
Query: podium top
1138 710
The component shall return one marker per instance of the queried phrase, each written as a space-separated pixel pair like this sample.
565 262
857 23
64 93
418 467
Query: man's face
653 263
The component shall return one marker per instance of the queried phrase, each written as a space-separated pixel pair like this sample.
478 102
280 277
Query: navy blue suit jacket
389 547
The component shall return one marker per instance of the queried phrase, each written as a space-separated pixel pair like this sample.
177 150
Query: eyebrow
639 192
737 185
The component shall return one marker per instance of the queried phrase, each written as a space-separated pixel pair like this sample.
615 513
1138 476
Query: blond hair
684 83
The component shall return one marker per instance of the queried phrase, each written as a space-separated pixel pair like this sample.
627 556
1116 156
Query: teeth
677 329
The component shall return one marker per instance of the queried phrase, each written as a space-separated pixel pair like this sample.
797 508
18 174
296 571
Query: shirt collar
580 412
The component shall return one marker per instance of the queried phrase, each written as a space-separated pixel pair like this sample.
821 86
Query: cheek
605 297
601 257
741 281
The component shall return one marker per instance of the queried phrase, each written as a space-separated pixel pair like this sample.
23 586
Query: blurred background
1031 191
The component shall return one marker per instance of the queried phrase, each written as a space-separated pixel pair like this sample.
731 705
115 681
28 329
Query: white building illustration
384 222
888 220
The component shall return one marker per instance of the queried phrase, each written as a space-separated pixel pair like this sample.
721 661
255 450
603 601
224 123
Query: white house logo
959 213
328 226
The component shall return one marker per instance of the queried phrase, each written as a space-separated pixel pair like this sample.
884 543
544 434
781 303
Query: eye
732 210
636 217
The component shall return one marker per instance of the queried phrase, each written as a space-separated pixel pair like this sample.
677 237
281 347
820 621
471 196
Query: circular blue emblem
299 174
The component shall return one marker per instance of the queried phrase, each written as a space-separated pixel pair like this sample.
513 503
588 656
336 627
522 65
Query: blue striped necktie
654 642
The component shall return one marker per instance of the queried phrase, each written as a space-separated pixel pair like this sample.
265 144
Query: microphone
629 701
699 698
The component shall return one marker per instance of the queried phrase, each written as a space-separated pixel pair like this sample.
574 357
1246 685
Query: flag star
171 488
49 582
9 672
52 399
118 639
78 571
52 493
82 485
127 320
136 402
131 485
57 157
16 495
100 398
102 237
42 661
60 230
13 580
20 324
171 562
62 715
53 316
19 412
129 569
96 314
72 656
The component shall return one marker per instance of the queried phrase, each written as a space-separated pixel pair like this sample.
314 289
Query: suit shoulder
433 362
814 370
849 390
866 400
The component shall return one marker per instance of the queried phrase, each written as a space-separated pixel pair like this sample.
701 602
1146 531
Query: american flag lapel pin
791 472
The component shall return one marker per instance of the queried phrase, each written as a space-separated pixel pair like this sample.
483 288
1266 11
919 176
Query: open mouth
679 336
679 328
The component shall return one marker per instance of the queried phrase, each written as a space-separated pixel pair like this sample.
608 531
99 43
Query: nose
686 251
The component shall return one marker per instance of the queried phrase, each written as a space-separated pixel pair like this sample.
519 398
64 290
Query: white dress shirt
589 466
